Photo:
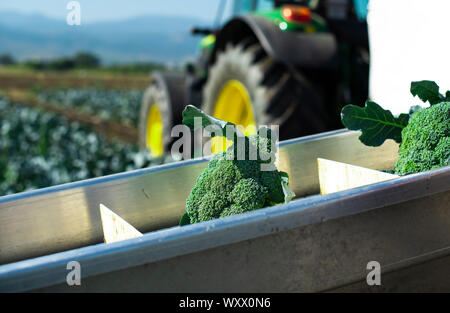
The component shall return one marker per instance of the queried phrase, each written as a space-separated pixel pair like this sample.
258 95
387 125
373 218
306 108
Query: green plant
40 149
423 133
86 60
425 140
119 105
7 59
234 181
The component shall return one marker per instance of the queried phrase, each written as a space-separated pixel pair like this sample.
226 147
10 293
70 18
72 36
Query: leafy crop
235 181
423 133
118 105
376 124
40 149
426 140
428 90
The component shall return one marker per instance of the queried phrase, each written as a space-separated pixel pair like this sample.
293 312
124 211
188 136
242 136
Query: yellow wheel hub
233 105
154 132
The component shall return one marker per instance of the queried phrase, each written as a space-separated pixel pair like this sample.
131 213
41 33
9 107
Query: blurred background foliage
40 149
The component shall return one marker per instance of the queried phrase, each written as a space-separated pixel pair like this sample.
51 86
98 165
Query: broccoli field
40 149
120 105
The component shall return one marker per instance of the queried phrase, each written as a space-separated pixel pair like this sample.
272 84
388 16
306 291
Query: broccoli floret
425 140
272 181
231 186
232 210
248 194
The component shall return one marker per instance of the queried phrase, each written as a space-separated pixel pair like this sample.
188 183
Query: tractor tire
279 95
166 94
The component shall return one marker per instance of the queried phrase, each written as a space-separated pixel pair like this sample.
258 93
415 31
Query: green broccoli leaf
185 220
191 112
447 96
427 90
288 193
376 124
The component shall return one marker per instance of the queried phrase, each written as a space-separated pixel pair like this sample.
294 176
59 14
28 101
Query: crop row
40 149
107 104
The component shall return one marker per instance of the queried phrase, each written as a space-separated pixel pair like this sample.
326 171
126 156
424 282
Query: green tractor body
287 63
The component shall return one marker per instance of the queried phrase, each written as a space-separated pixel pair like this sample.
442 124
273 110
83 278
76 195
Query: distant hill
146 38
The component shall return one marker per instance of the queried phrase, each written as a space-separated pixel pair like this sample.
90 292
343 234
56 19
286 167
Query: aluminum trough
314 243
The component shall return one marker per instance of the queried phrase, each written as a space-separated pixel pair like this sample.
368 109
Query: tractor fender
306 50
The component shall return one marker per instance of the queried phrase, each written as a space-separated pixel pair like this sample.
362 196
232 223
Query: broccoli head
230 185
425 140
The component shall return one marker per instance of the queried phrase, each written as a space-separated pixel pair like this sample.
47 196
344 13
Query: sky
101 10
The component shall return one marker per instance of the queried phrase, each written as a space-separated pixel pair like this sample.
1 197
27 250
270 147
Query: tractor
287 63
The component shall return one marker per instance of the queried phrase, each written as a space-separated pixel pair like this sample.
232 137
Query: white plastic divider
116 228
337 176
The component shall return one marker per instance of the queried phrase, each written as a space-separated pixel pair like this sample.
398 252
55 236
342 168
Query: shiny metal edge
125 175
176 241
97 181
